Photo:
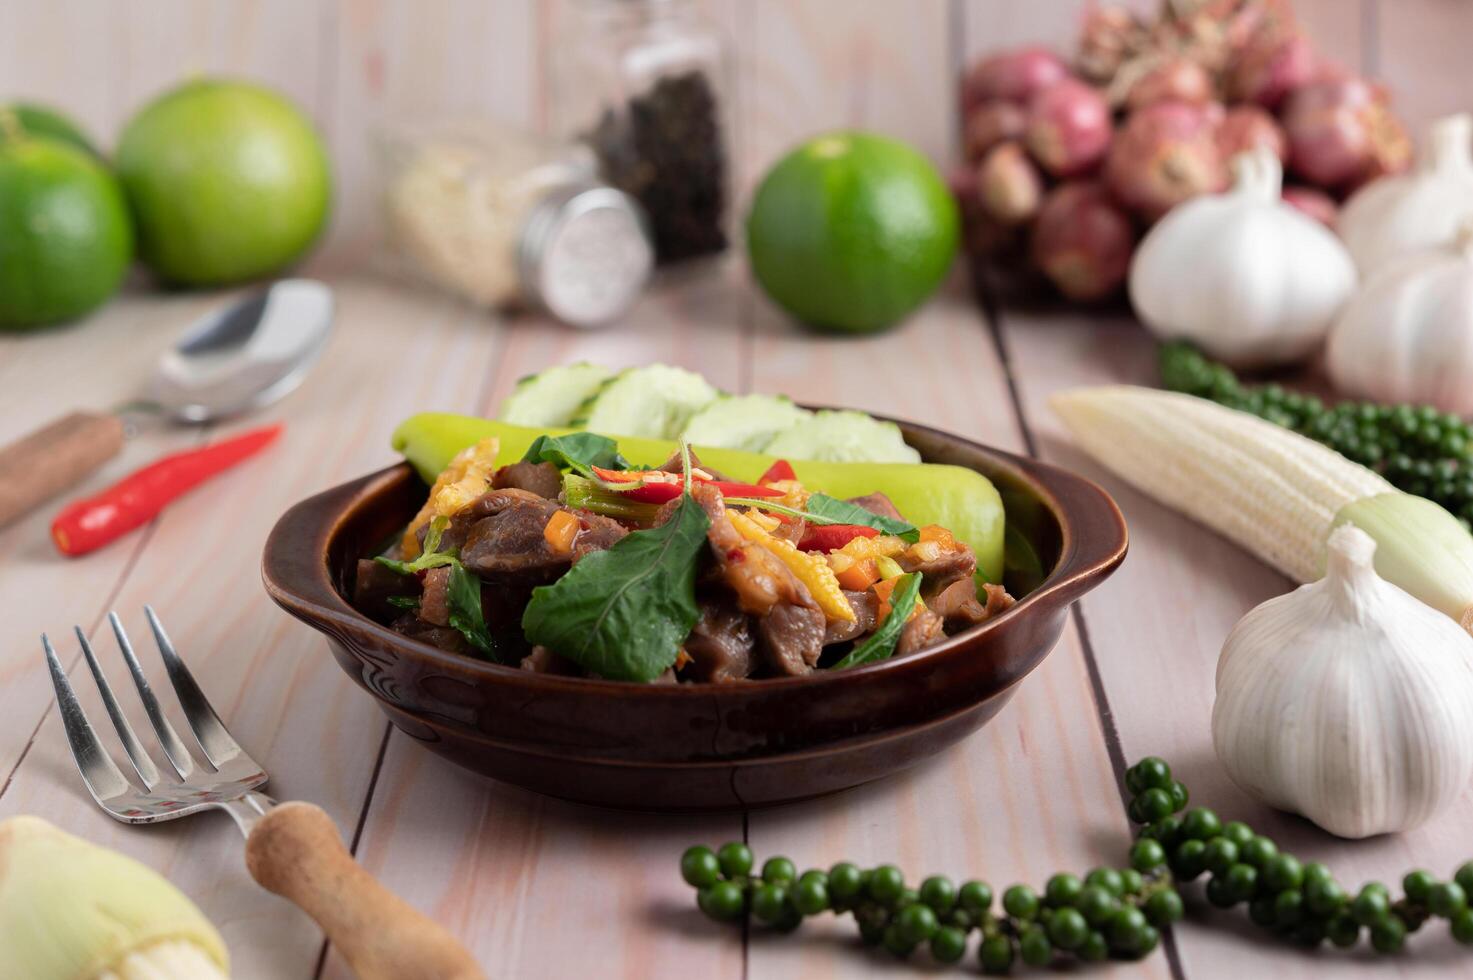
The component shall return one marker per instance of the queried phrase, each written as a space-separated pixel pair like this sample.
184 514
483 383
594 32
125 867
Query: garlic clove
1347 700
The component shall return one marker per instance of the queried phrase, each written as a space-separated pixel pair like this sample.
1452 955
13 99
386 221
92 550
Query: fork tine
98 771
179 756
142 764
208 729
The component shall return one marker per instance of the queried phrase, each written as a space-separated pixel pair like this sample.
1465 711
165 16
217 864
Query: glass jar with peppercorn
645 84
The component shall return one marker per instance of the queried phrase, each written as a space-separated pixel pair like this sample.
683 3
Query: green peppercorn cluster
1418 449
1301 902
1107 913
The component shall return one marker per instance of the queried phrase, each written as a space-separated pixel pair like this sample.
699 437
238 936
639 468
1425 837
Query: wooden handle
295 851
38 467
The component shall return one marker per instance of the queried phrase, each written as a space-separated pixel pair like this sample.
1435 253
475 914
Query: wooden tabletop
541 888
538 888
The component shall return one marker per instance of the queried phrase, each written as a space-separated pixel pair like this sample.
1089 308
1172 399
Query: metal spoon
230 361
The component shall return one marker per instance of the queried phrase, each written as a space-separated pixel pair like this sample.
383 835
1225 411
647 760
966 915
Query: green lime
851 231
40 120
228 181
65 237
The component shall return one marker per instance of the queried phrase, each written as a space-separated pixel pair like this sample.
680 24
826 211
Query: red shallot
1247 127
1165 154
1009 185
991 123
1315 203
1082 241
1068 128
1175 79
1342 133
1109 37
1272 66
1015 76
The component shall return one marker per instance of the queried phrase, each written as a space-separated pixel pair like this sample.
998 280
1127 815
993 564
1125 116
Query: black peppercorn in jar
644 83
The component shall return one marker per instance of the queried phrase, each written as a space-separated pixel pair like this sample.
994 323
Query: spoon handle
36 468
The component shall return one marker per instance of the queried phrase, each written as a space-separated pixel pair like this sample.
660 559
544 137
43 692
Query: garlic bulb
1398 214
1248 278
1347 700
1407 335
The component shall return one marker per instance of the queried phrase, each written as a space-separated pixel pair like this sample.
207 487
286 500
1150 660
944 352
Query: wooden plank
64 54
881 66
1030 794
1421 54
270 677
96 364
279 43
510 871
991 25
1156 629
100 61
402 60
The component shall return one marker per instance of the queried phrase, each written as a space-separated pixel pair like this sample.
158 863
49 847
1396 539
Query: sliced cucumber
654 402
843 437
552 397
743 421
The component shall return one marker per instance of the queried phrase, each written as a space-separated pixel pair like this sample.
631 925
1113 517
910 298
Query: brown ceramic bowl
690 746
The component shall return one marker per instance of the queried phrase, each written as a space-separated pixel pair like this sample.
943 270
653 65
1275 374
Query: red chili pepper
86 525
827 537
781 470
637 476
659 493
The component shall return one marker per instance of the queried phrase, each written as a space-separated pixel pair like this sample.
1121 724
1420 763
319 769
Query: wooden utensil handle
37 467
295 851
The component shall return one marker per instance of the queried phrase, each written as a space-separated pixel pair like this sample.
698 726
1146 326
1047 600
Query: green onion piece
584 494
761 503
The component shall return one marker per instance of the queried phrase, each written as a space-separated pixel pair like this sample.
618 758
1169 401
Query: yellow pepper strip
561 529
793 493
934 542
466 478
809 568
881 546
766 521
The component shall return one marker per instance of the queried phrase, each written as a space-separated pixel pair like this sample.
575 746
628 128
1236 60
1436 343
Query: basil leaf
623 613
577 451
881 643
403 601
835 511
463 597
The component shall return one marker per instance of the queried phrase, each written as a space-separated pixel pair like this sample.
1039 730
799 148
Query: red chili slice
827 537
781 470
88 524
659 493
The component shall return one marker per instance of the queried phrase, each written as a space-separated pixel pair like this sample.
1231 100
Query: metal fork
292 849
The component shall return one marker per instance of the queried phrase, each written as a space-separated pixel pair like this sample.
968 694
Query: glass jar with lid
504 219
645 84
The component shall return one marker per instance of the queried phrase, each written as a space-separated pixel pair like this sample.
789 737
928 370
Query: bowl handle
1094 535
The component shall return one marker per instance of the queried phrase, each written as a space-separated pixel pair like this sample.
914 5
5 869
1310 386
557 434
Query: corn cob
811 569
1272 491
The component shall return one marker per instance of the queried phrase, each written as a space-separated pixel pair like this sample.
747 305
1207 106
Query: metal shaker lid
585 254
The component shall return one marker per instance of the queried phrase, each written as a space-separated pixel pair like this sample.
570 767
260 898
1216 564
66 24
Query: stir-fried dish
572 561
